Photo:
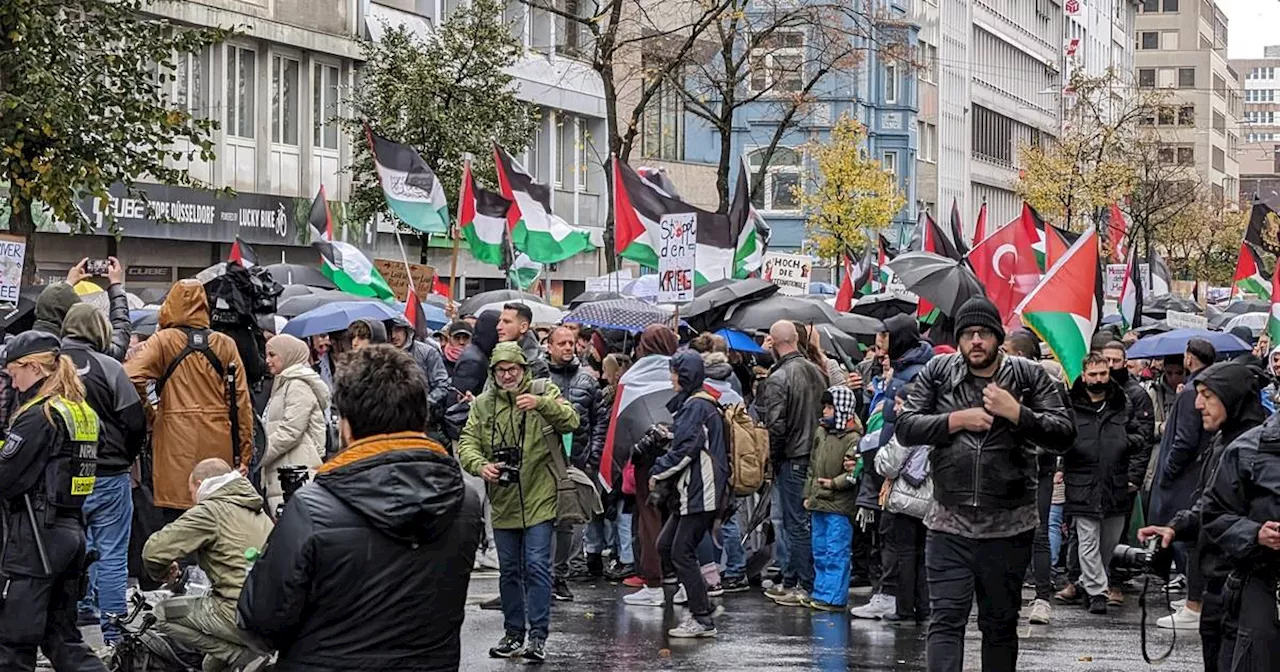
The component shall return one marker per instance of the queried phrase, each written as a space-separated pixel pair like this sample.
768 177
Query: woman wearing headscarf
295 419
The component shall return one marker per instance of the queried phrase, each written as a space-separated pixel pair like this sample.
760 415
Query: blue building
879 91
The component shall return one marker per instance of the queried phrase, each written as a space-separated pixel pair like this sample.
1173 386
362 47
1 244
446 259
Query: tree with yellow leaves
851 197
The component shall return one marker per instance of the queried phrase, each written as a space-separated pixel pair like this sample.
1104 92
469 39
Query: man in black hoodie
122 430
386 528
1227 396
471 371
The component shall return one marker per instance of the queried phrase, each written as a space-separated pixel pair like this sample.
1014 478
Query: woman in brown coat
193 420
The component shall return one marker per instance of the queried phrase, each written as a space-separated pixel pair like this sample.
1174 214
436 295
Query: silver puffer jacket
904 499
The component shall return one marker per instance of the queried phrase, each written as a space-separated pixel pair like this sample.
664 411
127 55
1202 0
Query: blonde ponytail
62 379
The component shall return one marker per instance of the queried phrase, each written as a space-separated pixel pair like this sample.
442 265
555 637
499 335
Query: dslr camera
508 459
1150 558
292 478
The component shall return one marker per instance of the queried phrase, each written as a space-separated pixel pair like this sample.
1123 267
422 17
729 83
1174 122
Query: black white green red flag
535 229
412 190
1251 276
341 262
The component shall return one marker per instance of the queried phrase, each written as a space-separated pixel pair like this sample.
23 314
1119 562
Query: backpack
198 342
748 444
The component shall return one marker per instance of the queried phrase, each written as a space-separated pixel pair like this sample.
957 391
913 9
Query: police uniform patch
11 446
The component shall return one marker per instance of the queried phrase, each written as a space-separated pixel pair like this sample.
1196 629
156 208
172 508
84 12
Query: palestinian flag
482 217
1063 310
1251 274
980 230
341 262
241 252
640 403
937 241
411 188
1131 296
1117 234
1273 322
639 206
524 272
416 315
535 230
1161 280
1051 242
749 230
883 275
957 230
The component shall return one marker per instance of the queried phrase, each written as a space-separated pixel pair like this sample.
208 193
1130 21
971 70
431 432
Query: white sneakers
1041 610
880 605
646 597
1183 618
680 597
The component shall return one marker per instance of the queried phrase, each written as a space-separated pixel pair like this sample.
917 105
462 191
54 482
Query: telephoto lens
292 478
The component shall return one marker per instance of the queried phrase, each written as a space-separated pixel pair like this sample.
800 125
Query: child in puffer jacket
831 496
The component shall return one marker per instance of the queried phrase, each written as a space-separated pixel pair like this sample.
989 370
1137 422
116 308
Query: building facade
1259 79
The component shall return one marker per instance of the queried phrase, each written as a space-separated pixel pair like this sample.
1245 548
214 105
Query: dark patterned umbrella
712 302
623 314
760 315
884 306
473 303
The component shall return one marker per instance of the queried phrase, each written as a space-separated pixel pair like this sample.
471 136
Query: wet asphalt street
598 632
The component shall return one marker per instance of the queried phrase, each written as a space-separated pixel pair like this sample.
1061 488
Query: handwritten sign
677 256
613 282
13 251
393 271
790 272
1180 320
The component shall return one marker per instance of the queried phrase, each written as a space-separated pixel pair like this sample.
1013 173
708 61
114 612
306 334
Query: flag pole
404 258
457 229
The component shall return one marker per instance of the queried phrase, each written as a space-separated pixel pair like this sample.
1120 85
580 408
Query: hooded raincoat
698 458
835 443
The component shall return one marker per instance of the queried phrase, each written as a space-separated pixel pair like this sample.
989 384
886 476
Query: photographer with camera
1227 396
506 442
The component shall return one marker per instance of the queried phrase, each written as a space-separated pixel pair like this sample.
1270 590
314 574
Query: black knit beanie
978 311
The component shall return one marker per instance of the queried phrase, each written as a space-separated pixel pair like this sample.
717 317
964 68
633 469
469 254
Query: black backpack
198 342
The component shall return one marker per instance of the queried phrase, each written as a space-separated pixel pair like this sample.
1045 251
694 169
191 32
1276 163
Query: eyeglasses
507 371
981 333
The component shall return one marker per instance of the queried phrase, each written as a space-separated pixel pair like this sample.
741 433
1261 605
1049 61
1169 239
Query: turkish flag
1005 263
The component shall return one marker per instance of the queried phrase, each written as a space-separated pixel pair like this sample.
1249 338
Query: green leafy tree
84 105
446 97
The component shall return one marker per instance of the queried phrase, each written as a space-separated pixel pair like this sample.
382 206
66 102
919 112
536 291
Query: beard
980 358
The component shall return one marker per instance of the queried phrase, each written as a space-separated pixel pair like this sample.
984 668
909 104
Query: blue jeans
626 552
832 557
1055 532
600 536
795 520
735 556
524 578
780 555
108 514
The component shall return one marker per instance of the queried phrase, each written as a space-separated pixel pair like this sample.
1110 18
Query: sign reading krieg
790 272
677 256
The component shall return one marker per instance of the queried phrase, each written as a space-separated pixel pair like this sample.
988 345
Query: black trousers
958 569
1217 630
1257 644
889 578
907 543
678 546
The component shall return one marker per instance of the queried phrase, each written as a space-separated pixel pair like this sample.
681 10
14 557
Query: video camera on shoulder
508 458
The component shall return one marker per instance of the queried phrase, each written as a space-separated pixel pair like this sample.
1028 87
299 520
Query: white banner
13 251
1179 320
790 272
677 257
613 282
1113 280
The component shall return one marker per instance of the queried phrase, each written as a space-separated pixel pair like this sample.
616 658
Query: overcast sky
1251 25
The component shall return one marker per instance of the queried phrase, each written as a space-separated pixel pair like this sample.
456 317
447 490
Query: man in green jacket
227 520
505 442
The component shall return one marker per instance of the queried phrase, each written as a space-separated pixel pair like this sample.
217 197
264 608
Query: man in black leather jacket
581 390
984 413
386 530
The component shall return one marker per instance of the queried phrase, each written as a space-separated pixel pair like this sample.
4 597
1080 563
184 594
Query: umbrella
885 306
297 274
944 282
152 295
740 341
712 299
338 316
135 302
1247 306
22 308
1255 322
643 287
542 313
838 344
1164 303
298 305
624 314
472 304
761 314
145 322
1175 343
858 325
823 288
590 297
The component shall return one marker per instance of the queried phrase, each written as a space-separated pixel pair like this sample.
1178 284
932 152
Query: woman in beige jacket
295 419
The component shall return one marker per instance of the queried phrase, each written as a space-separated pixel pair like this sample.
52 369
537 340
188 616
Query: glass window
1146 77
1149 40
777 62
284 100
890 163
191 82
890 83
324 100
780 181
242 67
1186 156
566 151
1187 115
583 145
1186 78
1166 116
662 125
1150 5
1170 5
533 154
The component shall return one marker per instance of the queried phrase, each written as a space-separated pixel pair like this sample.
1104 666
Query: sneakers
1115 597
690 628
1098 604
646 597
492 605
716 590
536 652
776 591
619 571
1178 604
681 597
879 606
795 597
509 646
735 585
1041 610
819 605
1071 594
1183 619
560 591
634 581
1176 584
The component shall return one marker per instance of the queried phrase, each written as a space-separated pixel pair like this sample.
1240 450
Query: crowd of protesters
940 470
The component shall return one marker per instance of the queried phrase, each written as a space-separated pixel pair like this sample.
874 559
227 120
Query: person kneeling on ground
227 521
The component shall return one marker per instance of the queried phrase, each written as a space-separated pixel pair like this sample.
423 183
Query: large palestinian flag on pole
1273 321
640 403
412 190
748 228
639 206
957 229
535 229
980 230
342 262
1131 295
1251 274
482 216
1063 309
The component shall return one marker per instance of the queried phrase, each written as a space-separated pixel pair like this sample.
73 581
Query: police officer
47 469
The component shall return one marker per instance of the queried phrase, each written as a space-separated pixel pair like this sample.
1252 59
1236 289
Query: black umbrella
1161 305
884 306
21 309
474 303
858 325
298 305
836 343
592 297
1247 306
291 291
761 314
713 299
153 295
944 282
297 274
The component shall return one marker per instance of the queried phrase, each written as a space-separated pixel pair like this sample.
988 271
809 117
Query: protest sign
13 251
393 271
1179 320
677 256
612 282
790 272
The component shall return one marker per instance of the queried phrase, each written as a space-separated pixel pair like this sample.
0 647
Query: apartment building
1182 48
1259 79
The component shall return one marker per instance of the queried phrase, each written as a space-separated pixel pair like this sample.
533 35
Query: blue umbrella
741 341
338 316
436 317
1175 343
823 288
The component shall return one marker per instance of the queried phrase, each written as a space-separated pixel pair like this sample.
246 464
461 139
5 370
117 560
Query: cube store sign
677 256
